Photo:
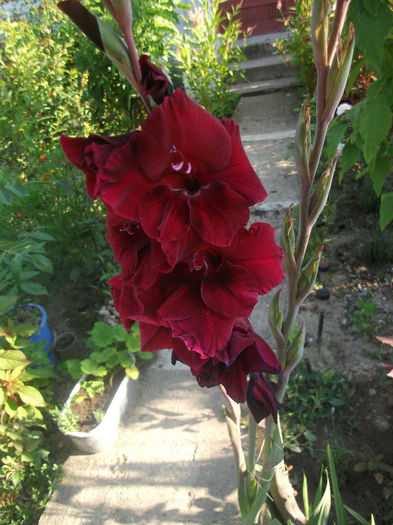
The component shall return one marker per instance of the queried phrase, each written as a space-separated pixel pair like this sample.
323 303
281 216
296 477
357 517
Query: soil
99 402
27 315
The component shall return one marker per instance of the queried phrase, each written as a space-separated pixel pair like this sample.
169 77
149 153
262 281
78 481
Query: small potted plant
92 412
30 323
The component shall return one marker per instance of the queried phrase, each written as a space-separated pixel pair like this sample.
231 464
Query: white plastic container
103 436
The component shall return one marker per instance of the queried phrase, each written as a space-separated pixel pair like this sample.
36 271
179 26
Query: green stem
252 439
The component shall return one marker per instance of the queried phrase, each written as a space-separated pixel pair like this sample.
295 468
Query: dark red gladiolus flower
184 177
244 353
178 194
154 82
213 286
201 174
201 296
91 155
261 399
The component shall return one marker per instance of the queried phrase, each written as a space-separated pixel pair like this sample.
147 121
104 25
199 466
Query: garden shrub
366 128
209 59
50 85
298 48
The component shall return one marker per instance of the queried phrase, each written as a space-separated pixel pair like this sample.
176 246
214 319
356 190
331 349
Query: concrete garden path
172 463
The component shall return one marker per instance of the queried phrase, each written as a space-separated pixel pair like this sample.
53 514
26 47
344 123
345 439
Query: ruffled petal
231 292
154 337
126 183
181 122
202 330
258 252
217 213
164 214
239 174
90 156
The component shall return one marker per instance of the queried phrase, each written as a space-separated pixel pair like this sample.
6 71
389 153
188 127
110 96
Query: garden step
260 45
247 89
171 464
265 68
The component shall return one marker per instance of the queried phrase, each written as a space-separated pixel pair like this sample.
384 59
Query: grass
312 397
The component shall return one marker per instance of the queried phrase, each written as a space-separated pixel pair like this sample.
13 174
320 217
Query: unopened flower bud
275 318
319 31
295 350
115 48
303 144
307 277
121 12
321 192
288 242
338 74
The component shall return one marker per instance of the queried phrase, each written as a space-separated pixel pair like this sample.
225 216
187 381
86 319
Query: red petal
231 292
181 122
182 304
178 250
201 329
217 213
239 174
204 332
258 252
164 214
261 399
154 337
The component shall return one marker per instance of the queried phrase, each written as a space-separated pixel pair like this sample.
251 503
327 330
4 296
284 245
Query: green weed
312 397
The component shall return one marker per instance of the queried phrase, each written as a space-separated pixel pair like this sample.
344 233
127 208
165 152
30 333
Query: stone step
260 45
247 89
265 68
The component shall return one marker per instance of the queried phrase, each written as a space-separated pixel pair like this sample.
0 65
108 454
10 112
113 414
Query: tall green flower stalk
264 471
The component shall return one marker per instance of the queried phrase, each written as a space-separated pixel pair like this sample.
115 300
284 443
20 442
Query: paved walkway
172 463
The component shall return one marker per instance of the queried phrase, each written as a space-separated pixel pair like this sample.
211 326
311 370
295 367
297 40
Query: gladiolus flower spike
177 194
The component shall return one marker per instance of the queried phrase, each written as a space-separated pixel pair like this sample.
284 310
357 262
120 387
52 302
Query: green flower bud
275 319
303 144
307 277
121 12
295 350
288 242
338 74
319 31
321 192
115 48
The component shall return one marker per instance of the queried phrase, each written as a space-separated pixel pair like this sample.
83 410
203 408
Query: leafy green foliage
209 59
22 505
21 416
364 317
366 128
318 513
311 398
113 349
298 48
22 260
27 475
65 418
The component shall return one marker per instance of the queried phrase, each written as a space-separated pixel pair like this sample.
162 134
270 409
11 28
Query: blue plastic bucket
44 333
